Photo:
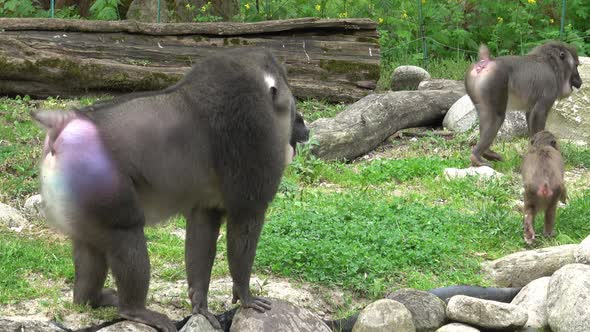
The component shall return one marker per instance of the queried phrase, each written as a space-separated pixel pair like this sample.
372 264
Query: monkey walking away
531 82
212 147
542 175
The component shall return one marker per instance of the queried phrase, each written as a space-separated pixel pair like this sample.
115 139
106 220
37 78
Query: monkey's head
544 138
565 60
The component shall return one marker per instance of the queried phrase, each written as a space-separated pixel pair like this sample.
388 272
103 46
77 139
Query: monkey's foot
148 317
259 304
210 317
529 240
492 156
477 161
108 298
549 233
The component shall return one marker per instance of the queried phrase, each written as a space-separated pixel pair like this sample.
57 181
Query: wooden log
368 122
325 59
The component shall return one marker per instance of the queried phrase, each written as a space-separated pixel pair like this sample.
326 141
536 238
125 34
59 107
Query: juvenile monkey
213 147
542 175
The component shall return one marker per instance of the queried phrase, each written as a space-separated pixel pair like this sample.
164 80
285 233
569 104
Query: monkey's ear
553 143
562 55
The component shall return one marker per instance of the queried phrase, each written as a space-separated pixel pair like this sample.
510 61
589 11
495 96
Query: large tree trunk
325 59
367 123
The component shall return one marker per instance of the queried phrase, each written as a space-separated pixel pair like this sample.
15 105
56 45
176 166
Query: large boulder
533 298
12 218
284 316
582 252
384 315
18 324
457 327
484 313
520 268
408 78
128 326
34 206
570 117
147 11
568 299
442 84
462 116
428 311
198 323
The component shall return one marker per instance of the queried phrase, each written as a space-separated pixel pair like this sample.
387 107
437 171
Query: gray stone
481 171
283 316
582 252
128 326
462 116
533 299
147 11
442 84
518 269
428 311
486 314
384 315
408 78
34 206
568 299
198 323
457 327
25 324
12 218
570 117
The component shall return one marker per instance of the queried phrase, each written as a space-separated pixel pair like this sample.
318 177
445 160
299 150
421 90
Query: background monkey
213 146
542 175
532 82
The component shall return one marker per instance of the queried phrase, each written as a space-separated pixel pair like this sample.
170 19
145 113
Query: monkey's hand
148 317
248 300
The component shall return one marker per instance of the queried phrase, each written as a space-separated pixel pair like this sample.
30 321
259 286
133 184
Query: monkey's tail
54 122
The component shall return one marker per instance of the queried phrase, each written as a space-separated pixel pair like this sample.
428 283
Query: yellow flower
203 9
247 6
318 7
188 6
532 2
551 20
404 15
500 20
343 15
380 20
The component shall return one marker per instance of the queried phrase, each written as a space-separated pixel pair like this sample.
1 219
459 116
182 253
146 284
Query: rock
428 311
533 299
442 84
128 326
568 299
457 327
198 323
147 11
12 218
283 316
482 171
518 269
408 78
384 315
570 117
34 206
18 324
582 252
484 313
462 116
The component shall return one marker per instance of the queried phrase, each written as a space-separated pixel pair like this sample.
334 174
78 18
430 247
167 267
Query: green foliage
18 8
105 10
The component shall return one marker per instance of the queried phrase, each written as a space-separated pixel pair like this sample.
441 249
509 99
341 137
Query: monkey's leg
529 229
242 239
537 117
129 262
489 124
91 272
548 230
200 247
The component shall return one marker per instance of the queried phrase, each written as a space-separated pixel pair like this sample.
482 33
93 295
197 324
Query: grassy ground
384 222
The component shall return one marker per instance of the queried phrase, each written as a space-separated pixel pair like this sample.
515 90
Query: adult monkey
533 82
213 145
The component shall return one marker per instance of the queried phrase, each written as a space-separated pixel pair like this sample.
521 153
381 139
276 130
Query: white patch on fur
270 81
55 194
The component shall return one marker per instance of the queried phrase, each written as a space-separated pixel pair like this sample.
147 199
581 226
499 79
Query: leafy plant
105 10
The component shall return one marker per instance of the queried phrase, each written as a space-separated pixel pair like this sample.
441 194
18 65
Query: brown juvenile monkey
532 82
542 175
211 147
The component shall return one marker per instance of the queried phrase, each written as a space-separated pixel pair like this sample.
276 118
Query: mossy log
325 59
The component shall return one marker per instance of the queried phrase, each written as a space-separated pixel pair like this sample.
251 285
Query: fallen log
325 59
368 122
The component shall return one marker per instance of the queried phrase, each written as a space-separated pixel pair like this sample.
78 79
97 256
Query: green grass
366 227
